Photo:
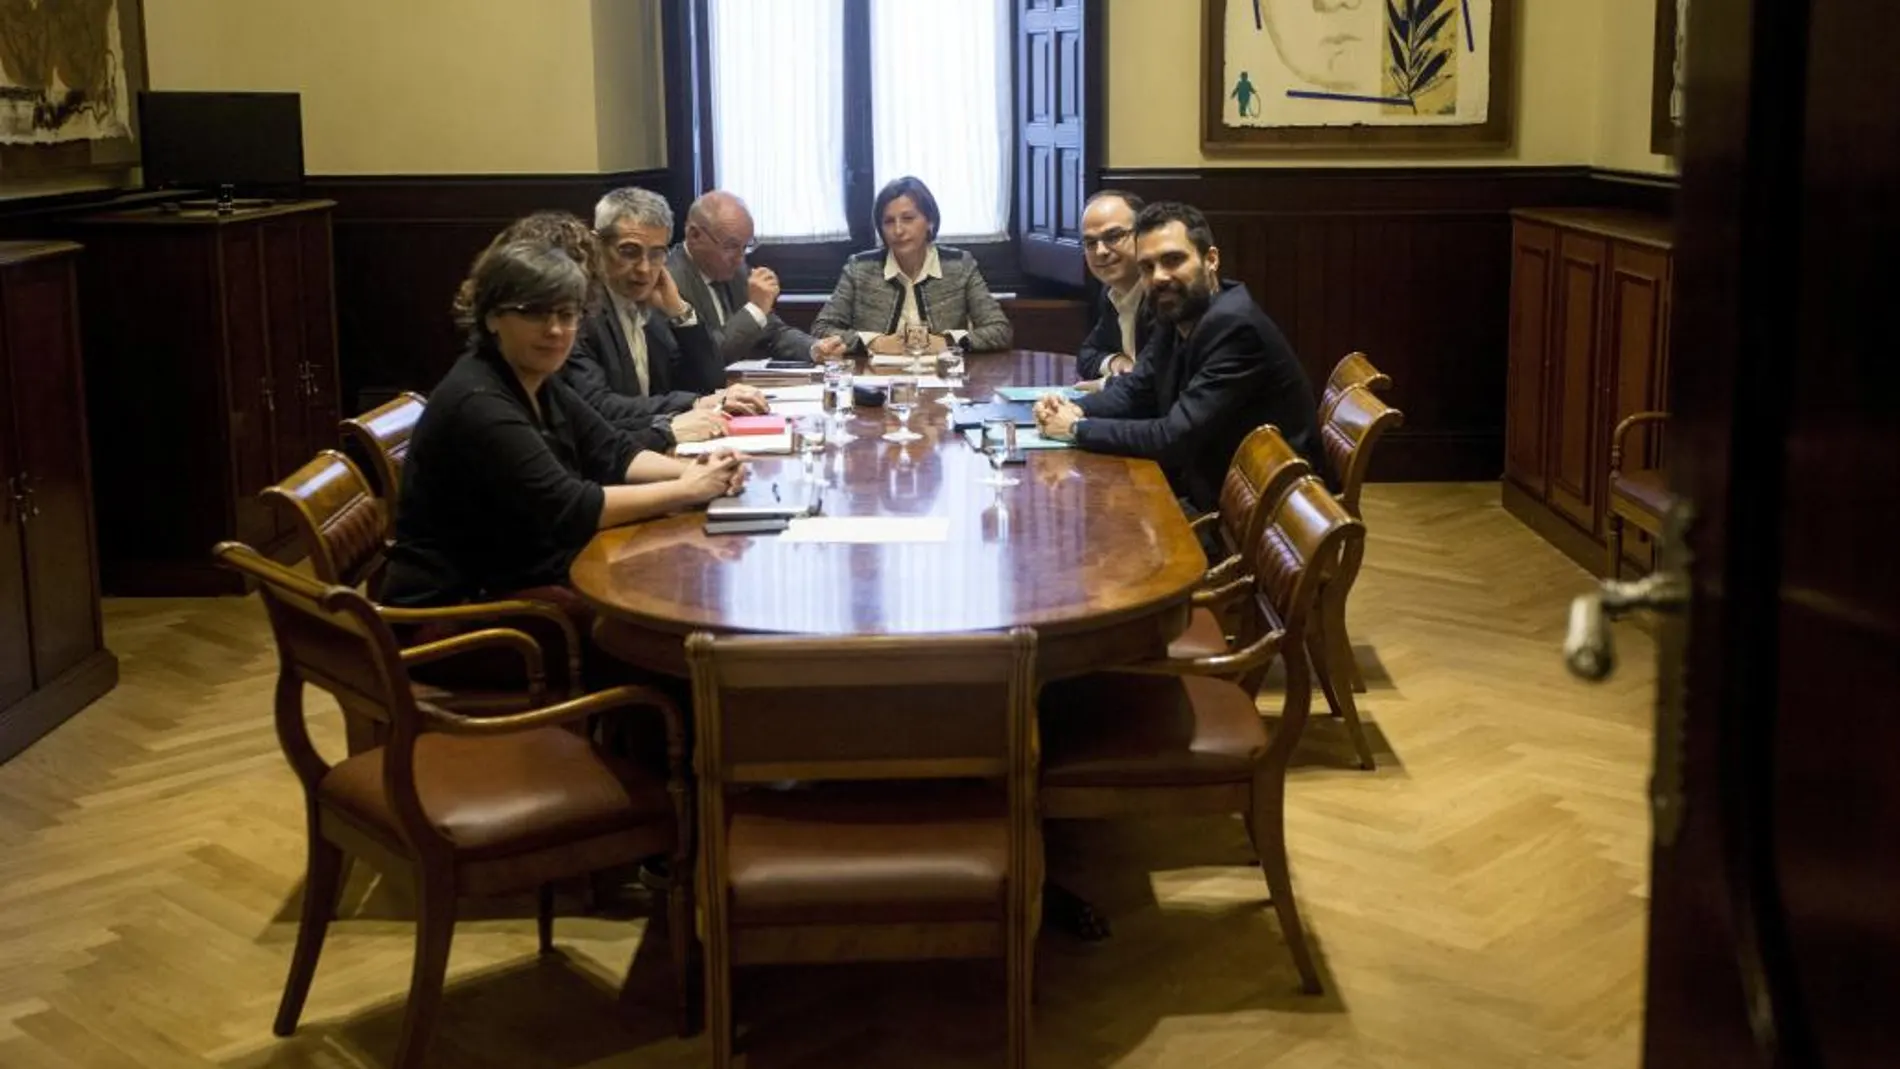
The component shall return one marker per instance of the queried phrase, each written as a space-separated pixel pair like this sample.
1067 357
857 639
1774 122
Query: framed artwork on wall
1665 100
1374 74
70 73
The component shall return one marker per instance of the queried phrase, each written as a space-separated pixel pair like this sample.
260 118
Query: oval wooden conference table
1091 551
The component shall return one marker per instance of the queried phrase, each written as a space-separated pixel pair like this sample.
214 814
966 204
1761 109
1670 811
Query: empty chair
1263 467
382 436
1180 736
1638 495
469 807
1353 369
1350 431
344 530
916 837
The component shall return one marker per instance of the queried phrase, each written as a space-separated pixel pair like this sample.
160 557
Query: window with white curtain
940 106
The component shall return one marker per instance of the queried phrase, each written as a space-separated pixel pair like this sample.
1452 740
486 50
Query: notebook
746 426
768 499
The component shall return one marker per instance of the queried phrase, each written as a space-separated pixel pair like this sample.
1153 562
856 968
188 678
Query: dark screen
249 140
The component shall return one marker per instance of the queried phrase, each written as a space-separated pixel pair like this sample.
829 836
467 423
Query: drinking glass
839 401
916 344
903 401
950 369
999 443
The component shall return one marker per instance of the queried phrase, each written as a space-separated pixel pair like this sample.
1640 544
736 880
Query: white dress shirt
1127 312
633 323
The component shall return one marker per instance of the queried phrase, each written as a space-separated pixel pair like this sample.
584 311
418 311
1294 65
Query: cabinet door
321 396
292 437
1637 316
254 397
1532 248
1571 402
50 430
16 648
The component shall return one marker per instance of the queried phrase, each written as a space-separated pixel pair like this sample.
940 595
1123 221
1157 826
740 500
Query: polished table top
1083 542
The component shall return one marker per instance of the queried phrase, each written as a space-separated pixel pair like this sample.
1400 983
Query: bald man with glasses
734 301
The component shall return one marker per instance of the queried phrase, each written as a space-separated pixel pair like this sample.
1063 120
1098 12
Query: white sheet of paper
757 367
924 382
756 444
814 392
864 530
795 409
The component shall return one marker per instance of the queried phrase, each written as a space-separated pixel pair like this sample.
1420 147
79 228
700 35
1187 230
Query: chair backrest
382 434
1262 468
1353 426
343 527
1307 534
1353 369
884 708
330 637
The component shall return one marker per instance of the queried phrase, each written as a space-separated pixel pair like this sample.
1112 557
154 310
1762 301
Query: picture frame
1496 131
103 155
1665 126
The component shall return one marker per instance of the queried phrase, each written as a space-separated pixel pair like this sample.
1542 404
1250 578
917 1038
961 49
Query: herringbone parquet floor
1477 902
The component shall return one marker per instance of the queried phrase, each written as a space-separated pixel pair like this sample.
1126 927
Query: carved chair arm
1220 574
1255 655
1629 423
455 645
485 611
1215 597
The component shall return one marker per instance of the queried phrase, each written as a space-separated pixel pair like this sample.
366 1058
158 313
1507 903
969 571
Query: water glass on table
916 339
999 447
902 402
950 369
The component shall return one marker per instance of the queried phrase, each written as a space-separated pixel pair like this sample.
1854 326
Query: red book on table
749 425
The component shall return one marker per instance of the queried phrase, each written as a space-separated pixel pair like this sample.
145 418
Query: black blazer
681 365
1105 339
1189 401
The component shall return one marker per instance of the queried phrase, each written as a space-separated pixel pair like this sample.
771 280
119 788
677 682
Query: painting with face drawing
1312 66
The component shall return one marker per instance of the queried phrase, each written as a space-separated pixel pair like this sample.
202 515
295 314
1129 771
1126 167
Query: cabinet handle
28 483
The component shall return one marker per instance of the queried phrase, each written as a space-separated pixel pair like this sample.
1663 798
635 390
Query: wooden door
1056 158
50 431
1571 404
16 646
1532 248
293 439
1772 935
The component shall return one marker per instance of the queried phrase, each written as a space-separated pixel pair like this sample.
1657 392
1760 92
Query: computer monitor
251 142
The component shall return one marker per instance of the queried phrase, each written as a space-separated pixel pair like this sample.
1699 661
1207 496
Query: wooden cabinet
53 660
1588 346
212 343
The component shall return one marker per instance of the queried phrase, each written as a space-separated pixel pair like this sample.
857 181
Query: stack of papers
755 444
868 530
924 382
1036 393
758 367
814 392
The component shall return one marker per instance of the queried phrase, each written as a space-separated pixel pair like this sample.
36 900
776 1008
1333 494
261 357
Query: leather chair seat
507 794
1644 487
868 853
1204 637
1137 730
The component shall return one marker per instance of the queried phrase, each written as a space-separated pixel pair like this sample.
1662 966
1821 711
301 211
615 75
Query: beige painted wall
1628 68
1571 106
629 85
424 86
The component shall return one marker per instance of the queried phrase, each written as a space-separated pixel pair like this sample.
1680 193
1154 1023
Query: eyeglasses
1111 239
628 252
567 318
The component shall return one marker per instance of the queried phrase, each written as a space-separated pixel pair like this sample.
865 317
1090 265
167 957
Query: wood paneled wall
1411 265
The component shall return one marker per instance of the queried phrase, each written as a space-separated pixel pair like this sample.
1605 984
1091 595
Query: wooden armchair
382 436
1353 369
1639 496
1262 468
1353 427
344 529
469 807
919 838
1179 736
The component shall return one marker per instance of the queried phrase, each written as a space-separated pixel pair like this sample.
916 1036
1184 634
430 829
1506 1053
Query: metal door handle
1588 648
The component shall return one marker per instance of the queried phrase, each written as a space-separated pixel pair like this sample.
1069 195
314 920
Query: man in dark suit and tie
643 358
1215 369
734 301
